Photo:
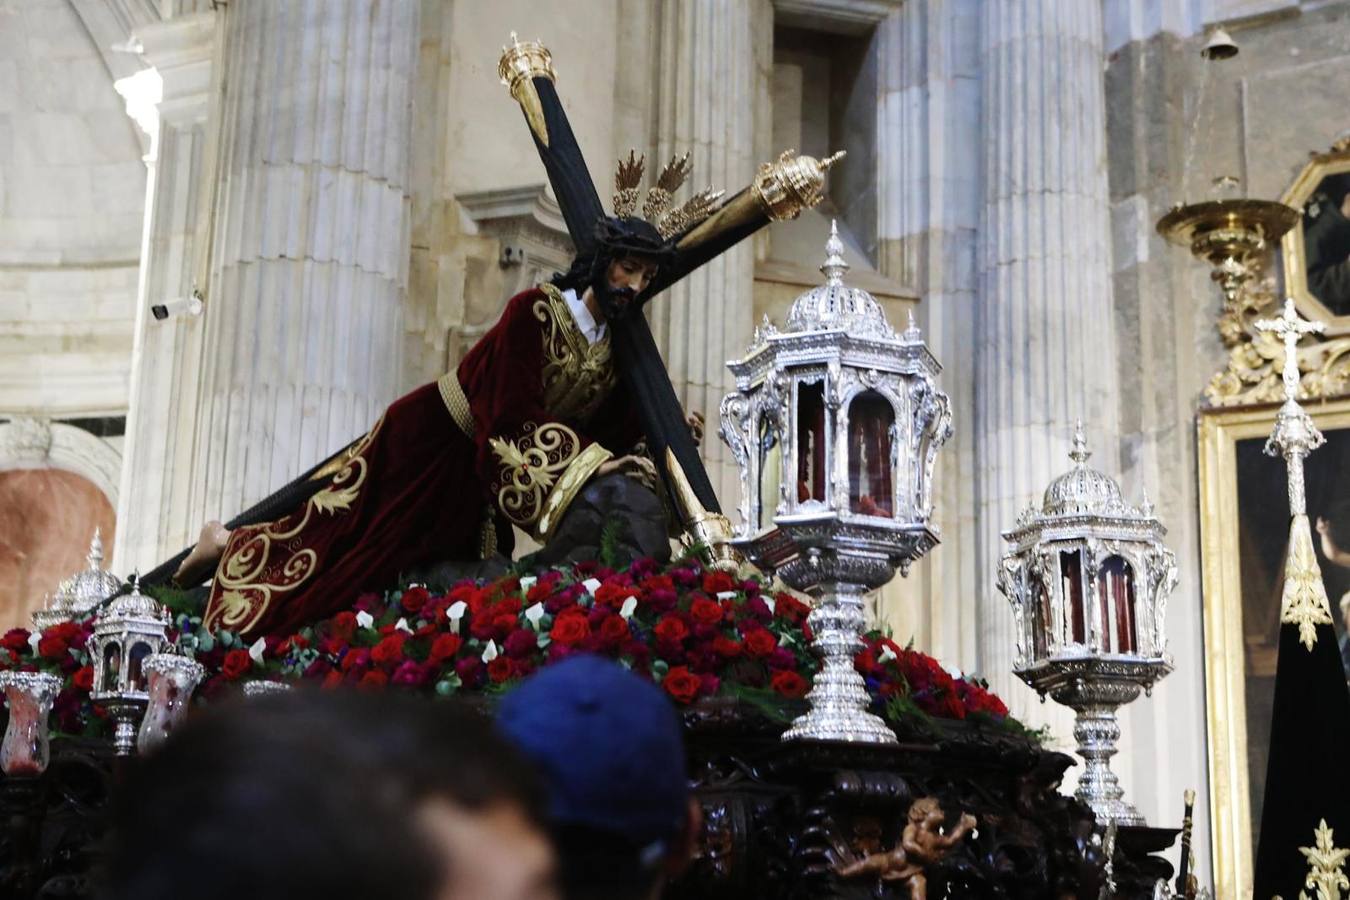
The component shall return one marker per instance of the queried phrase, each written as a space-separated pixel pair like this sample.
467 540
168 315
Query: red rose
237 662
332 680
760 642
789 607
52 647
443 648
15 640
501 669
373 679
717 582
671 629
705 611
726 647
612 594
570 627
415 598
343 626
789 684
682 684
614 629
83 678
389 651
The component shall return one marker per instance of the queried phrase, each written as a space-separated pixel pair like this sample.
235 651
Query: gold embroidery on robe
542 471
261 561
577 375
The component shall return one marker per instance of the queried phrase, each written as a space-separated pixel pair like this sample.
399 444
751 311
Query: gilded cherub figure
922 844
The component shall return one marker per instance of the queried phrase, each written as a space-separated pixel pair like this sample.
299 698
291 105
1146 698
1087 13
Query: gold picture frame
1294 250
1230 656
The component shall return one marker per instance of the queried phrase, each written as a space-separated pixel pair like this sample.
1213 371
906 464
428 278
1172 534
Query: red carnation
789 684
682 684
388 651
373 679
760 642
52 647
614 629
705 611
570 627
501 669
717 582
237 662
726 647
443 648
414 598
83 678
15 640
671 629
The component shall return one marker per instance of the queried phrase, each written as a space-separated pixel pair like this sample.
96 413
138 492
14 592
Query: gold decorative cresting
1326 866
1232 235
793 183
1304 601
708 531
519 66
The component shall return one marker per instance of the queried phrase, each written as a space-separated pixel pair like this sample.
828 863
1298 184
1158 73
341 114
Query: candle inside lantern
811 440
1115 588
871 428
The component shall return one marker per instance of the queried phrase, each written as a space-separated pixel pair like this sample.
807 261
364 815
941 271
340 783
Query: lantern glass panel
811 442
1115 589
112 664
1071 580
136 678
770 472
871 431
1041 620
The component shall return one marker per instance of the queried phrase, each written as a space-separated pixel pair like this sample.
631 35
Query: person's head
610 745
330 795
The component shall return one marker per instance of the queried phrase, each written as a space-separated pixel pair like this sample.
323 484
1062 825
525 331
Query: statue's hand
639 468
205 555
695 422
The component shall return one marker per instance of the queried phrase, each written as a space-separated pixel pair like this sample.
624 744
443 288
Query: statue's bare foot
202 561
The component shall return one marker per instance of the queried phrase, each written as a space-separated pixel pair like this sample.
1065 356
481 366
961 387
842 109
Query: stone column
1044 343
310 240
715 60
153 517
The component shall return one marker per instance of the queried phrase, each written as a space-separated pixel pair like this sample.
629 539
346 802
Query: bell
1220 46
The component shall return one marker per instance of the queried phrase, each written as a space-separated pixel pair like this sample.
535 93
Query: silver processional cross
1295 435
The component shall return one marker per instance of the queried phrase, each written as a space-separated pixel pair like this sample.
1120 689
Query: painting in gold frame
1316 252
1244 528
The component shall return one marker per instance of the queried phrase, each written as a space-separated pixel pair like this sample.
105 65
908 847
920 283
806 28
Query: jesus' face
626 277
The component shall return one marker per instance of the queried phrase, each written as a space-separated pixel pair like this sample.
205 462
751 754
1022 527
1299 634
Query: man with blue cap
610 748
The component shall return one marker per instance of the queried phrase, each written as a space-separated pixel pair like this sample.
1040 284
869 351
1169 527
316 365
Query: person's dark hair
1338 523
304 795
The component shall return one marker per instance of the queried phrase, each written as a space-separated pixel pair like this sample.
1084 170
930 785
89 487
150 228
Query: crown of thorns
656 208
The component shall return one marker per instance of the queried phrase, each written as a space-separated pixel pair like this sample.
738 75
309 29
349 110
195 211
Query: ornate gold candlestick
1231 235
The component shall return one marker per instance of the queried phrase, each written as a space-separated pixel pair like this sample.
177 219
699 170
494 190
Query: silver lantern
835 425
82 592
1088 578
130 629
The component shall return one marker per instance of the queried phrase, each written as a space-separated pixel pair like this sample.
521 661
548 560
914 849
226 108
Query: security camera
191 305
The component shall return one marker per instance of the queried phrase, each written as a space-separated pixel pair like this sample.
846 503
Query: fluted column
310 246
712 89
1044 351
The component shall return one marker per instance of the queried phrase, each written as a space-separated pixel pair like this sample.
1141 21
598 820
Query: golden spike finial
688 214
627 177
667 183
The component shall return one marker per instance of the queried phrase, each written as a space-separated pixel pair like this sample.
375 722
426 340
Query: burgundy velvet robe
509 438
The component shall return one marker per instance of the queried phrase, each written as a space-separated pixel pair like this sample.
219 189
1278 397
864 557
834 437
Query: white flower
534 614
455 613
527 582
591 585
769 602
33 640
365 619
887 654
402 625
255 651
490 652
628 608
726 595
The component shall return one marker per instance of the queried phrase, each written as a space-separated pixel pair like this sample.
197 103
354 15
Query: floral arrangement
698 633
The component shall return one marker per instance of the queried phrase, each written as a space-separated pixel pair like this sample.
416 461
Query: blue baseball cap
610 746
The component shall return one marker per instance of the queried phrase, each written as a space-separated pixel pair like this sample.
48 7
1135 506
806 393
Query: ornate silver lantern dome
132 628
1088 578
835 424
82 592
